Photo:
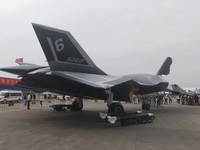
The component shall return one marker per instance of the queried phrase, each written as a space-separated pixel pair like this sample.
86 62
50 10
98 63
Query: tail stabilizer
22 69
165 68
22 63
63 52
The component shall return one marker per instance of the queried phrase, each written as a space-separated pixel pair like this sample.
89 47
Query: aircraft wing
93 80
122 87
108 81
176 89
22 69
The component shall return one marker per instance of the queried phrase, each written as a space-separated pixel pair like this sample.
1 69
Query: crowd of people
165 99
192 99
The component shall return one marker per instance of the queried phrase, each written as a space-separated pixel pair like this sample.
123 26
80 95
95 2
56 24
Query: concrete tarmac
176 127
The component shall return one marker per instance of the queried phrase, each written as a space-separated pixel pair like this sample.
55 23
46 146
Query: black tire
19 100
58 108
148 106
77 106
143 106
116 107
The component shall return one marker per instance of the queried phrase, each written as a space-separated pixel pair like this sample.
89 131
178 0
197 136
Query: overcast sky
121 36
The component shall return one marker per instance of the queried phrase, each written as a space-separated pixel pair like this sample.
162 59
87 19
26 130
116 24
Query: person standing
25 99
196 98
28 100
170 99
41 100
159 99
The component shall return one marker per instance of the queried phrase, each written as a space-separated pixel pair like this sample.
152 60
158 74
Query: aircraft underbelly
151 89
69 87
121 92
124 93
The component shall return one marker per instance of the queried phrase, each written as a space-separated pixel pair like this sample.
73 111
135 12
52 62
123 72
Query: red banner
8 81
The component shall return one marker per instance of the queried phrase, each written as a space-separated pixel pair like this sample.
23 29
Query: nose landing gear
115 107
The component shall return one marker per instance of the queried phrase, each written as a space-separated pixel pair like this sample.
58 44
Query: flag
19 60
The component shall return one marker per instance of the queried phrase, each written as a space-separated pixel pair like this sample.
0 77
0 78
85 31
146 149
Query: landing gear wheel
143 106
77 106
116 107
148 106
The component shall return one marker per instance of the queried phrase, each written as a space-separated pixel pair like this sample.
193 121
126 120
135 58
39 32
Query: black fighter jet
72 72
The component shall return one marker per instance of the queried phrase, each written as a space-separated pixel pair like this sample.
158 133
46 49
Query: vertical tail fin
63 52
165 68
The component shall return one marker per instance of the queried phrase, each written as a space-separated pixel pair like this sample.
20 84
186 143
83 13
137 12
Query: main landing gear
77 105
113 106
146 106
